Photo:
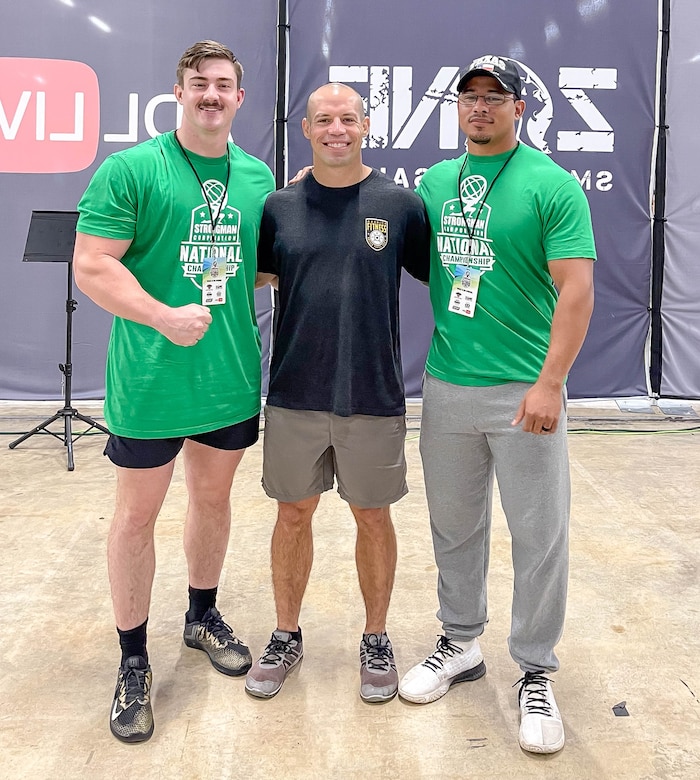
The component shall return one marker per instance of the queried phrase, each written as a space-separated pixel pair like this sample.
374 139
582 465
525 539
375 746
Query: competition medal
465 284
213 266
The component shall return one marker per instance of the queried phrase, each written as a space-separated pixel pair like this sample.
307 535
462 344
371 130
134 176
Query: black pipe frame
658 243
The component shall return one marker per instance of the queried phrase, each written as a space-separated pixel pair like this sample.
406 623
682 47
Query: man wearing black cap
511 285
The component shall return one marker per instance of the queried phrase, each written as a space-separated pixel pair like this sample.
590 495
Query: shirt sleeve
416 259
109 205
267 263
568 231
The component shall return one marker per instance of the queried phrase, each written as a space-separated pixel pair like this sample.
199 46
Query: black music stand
51 239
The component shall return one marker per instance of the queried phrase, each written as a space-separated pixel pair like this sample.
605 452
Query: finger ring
546 429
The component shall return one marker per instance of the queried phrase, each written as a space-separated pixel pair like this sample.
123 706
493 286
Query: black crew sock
133 642
200 601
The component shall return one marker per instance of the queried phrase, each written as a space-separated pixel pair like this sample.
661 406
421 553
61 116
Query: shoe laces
444 650
534 689
377 656
135 685
275 652
223 633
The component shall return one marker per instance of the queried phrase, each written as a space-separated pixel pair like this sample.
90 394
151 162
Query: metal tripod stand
68 413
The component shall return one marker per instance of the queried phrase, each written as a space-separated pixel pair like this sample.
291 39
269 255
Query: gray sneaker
226 651
379 680
281 655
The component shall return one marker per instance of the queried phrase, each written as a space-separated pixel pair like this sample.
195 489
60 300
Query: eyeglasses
491 98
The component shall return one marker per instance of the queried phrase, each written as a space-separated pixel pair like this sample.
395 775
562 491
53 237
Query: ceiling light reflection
551 31
588 8
100 24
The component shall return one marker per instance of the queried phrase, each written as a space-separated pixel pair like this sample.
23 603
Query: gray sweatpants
466 436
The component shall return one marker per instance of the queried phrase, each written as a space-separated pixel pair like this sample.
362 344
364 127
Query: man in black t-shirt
337 241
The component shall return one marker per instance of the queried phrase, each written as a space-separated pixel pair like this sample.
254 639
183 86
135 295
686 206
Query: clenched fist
185 325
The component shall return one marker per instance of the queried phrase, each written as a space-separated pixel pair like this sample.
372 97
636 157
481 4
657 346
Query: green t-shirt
534 212
149 194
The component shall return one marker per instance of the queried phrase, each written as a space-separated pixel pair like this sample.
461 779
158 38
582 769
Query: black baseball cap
501 68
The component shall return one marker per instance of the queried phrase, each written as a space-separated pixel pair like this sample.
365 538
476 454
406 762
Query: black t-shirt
338 253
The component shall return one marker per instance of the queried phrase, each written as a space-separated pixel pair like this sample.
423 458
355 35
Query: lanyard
462 205
214 222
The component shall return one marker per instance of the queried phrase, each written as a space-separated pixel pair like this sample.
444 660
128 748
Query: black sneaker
131 719
225 650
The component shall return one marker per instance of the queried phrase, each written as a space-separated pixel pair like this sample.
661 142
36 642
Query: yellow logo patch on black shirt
376 233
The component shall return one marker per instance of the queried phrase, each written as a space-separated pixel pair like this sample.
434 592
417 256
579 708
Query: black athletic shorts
151 453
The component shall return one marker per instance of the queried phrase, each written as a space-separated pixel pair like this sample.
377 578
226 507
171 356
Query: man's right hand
300 174
185 325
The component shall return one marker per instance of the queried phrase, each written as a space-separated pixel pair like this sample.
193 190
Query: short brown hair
207 50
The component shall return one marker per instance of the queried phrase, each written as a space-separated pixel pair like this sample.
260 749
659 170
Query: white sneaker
452 662
541 727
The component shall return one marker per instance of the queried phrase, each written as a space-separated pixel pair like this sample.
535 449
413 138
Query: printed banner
590 93
589 87
74 89
681 290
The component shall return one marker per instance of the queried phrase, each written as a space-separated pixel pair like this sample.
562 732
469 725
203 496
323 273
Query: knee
297 515
373 520
204 505
133 521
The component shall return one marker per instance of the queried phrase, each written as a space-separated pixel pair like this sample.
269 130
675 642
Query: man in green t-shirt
168 248
511 283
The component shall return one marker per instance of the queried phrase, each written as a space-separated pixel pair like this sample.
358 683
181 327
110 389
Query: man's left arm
416 259
267 272
541 405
